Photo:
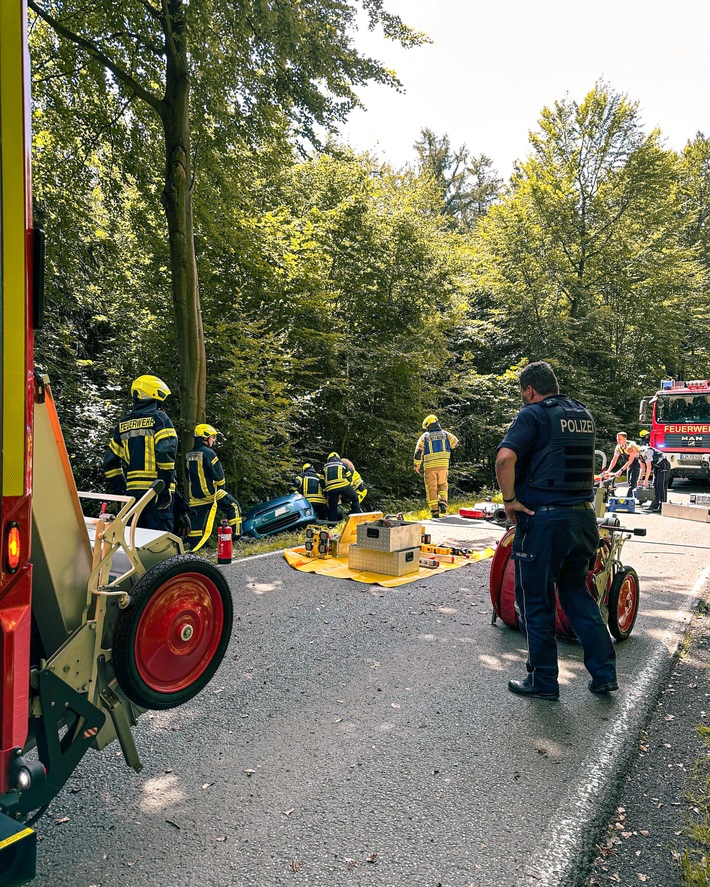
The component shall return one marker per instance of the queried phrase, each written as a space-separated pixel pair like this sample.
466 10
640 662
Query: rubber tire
617 631
127 624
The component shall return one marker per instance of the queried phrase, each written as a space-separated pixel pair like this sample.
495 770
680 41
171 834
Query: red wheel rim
626 608
179 632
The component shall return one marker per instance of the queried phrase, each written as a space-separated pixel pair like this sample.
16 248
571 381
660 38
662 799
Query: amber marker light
14 547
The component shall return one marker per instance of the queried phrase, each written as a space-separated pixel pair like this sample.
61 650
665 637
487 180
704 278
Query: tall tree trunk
177 202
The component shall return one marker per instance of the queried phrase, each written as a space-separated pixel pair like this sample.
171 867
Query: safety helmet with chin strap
205 430
334 455
429 421
149 388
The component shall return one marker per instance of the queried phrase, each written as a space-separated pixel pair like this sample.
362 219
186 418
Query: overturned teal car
289 512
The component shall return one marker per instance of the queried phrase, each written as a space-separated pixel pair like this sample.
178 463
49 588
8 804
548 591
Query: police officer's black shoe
602 689
524 688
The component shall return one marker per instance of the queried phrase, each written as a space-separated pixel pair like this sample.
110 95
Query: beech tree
585 256
237 68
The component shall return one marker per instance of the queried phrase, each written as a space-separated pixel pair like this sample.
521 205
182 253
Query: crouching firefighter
338 486
205 487
310 485
356 481
142 450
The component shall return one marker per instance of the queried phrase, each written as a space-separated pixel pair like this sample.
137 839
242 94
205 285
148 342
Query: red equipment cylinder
502 586
224 544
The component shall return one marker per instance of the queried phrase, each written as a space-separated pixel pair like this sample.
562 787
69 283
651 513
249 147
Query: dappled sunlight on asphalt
160 793
262 587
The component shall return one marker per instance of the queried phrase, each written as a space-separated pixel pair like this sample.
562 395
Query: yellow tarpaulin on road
338 567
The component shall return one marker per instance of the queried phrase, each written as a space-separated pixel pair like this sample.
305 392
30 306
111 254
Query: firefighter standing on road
545 468
205 485
310 485
338 486
434 449
142 450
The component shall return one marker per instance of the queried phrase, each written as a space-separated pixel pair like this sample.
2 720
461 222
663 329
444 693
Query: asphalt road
358 735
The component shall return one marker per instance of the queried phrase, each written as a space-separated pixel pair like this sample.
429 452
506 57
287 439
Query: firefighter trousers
436 481
226 505
343 494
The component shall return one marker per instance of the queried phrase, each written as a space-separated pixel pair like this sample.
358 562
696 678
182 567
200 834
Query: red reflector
14 547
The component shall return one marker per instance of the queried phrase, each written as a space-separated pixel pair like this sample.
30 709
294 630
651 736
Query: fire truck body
680 426
99 619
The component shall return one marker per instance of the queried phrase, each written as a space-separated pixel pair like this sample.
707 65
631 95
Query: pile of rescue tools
440 554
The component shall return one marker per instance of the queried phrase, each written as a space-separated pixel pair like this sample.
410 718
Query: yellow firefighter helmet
205 430
149 388
430 419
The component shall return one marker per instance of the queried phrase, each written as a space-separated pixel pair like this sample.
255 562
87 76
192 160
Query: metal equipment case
390 563
389 535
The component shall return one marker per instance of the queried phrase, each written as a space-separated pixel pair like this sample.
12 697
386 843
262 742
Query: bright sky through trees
493 66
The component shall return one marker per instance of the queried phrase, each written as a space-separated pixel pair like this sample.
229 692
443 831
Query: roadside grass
695 859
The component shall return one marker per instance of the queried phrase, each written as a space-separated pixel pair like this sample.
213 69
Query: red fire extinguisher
224 544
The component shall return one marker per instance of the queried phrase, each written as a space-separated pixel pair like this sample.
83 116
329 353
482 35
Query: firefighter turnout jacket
204 473
434 447
310 484
336 475
142 450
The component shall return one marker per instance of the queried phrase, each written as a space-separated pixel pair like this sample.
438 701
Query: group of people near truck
641 461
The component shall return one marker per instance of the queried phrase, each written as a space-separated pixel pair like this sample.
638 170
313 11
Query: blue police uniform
554 476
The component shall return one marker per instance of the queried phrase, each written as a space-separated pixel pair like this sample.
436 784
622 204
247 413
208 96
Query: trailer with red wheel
99 619
614 586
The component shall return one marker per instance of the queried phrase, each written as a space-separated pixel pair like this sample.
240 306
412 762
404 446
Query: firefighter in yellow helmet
142 450
434 449
338 486
205 483
310 484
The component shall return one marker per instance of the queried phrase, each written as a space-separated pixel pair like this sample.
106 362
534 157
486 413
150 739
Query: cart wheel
171 639
623 603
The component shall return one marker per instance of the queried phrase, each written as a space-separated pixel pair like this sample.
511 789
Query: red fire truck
680 426
99 619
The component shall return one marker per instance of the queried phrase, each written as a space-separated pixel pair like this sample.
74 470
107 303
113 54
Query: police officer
142 450
338 486
656 460
545 468
434 449
310 485
205 483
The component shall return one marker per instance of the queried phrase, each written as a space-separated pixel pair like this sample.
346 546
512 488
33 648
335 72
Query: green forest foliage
344 300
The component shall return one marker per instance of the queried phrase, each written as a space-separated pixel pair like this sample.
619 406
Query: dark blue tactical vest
567 461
